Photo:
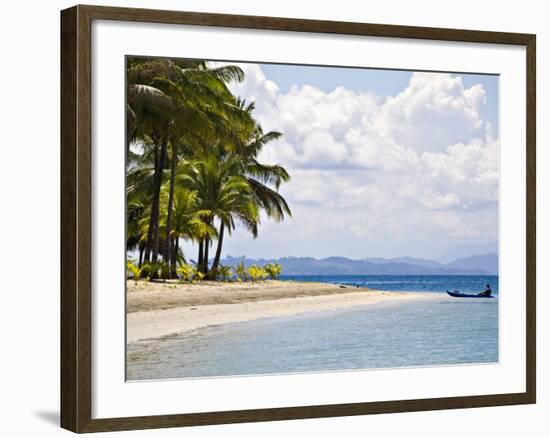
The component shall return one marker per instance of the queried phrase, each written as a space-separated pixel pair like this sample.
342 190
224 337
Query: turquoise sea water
435 330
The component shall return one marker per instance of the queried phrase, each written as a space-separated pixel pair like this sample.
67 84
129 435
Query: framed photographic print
270 218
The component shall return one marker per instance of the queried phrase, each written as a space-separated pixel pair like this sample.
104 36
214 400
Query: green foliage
159 269
189 273
256 273
241 272
197 275
273 270
134 269
185 272
221 191
225 272
146 271
187 217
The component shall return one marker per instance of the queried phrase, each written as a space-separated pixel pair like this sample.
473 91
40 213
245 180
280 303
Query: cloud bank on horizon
415 173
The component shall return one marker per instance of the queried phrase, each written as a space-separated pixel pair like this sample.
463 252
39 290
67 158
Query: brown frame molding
76 173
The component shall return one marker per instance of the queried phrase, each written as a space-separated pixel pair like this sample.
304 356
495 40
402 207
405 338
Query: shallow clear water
436 330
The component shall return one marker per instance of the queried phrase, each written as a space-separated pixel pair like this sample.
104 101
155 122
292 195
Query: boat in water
458 294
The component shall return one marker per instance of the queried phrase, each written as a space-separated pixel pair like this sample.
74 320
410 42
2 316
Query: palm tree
243 151
187 93
259 178
149 113
262 176
222 193
187 222
139 180
191 131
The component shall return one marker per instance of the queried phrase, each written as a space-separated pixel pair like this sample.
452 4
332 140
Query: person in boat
487 292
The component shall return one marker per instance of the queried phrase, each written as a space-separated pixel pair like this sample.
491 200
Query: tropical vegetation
193 169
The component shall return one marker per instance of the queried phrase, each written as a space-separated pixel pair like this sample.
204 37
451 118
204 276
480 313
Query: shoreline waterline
156 310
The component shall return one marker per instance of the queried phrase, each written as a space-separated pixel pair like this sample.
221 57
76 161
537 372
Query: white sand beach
155 310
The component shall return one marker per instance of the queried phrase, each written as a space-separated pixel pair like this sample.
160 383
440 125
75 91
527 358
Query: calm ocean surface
416 283
436 330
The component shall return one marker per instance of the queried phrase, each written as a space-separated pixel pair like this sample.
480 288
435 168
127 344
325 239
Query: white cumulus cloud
414 171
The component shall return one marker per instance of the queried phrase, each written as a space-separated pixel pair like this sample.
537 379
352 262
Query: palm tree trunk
141 250
156 201
205 260
217 257
174 247
151 227
200 257
166 252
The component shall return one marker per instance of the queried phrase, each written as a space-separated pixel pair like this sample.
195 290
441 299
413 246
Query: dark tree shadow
51 417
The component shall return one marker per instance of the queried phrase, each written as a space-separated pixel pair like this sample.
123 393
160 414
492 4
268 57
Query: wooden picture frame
76 218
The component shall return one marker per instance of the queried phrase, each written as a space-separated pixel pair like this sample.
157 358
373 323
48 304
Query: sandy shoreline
160 309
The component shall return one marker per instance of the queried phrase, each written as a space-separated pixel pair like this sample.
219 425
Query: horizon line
354 259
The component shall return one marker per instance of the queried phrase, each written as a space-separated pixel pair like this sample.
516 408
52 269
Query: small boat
458 294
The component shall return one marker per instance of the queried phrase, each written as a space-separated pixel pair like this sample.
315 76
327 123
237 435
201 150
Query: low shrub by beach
187 273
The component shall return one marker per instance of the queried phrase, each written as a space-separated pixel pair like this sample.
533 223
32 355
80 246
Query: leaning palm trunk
174 257
156 202
166 252
217 257
151 227
141 250
200 256
205 259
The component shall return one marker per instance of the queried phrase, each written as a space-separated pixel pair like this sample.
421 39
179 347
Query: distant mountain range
465 251
485 264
